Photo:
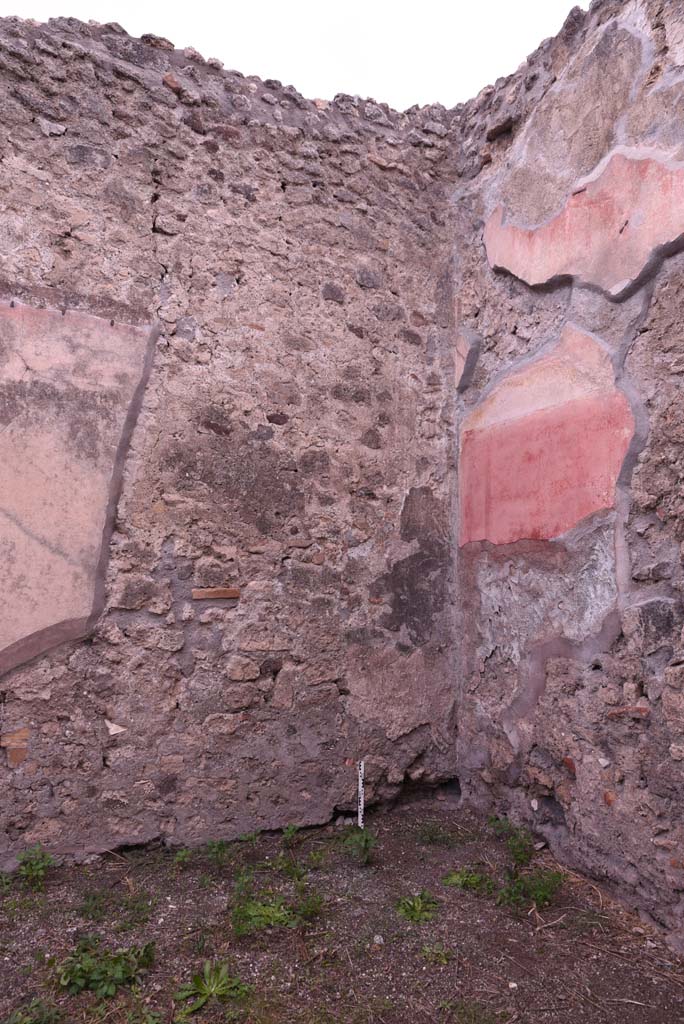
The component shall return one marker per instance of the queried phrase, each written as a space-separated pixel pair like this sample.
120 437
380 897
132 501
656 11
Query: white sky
397 51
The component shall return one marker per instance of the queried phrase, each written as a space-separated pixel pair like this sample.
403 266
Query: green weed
217 851
143 1016
253 912
34 864
249 837
433 834
470 880
518 840
35 1012
214 982
290 836
360 844
308 906
95 906
92 969
288 866
418 909
182 858
253 915
537 887
462 1011
316 860
138 908
436 954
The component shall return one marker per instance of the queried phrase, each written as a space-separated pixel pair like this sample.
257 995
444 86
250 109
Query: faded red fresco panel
544 450
607 231
70 388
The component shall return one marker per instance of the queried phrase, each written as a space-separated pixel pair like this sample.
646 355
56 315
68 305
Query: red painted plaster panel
607 231
544 449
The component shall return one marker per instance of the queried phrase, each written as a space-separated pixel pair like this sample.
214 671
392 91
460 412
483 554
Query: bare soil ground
338 948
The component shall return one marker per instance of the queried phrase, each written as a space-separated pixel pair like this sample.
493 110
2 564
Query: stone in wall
466 353
611 229
543 450
69 392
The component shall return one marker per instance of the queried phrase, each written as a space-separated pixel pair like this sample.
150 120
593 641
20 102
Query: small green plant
138 908
436 954
143 1016
5 882
521 847
95 906
316 860
34 864
418 909
202 937
470 880
244 882
217 851
360 844
249 837
35 1012
253 912
182 858
308 906
462 1011
290 835
518 840
253 915
500 826
92 969
289 867
214 982
433 834
536 887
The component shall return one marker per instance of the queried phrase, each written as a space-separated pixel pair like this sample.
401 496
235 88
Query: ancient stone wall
331 432
571 461
276 597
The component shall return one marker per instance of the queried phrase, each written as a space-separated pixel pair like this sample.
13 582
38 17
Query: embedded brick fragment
215 593
634 711
613 225
16 745
544 449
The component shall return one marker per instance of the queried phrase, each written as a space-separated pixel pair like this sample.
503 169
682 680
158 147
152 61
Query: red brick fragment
16 745
635 711
215 593
172 83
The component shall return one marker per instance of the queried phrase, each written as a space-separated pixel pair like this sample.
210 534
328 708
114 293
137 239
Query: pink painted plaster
544 449
608 230
67 388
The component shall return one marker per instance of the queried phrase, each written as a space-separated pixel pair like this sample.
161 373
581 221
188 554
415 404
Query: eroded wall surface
277 587
360 436
571 460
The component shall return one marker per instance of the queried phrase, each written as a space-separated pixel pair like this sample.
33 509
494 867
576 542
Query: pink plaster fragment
70 388
608 230
544 450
